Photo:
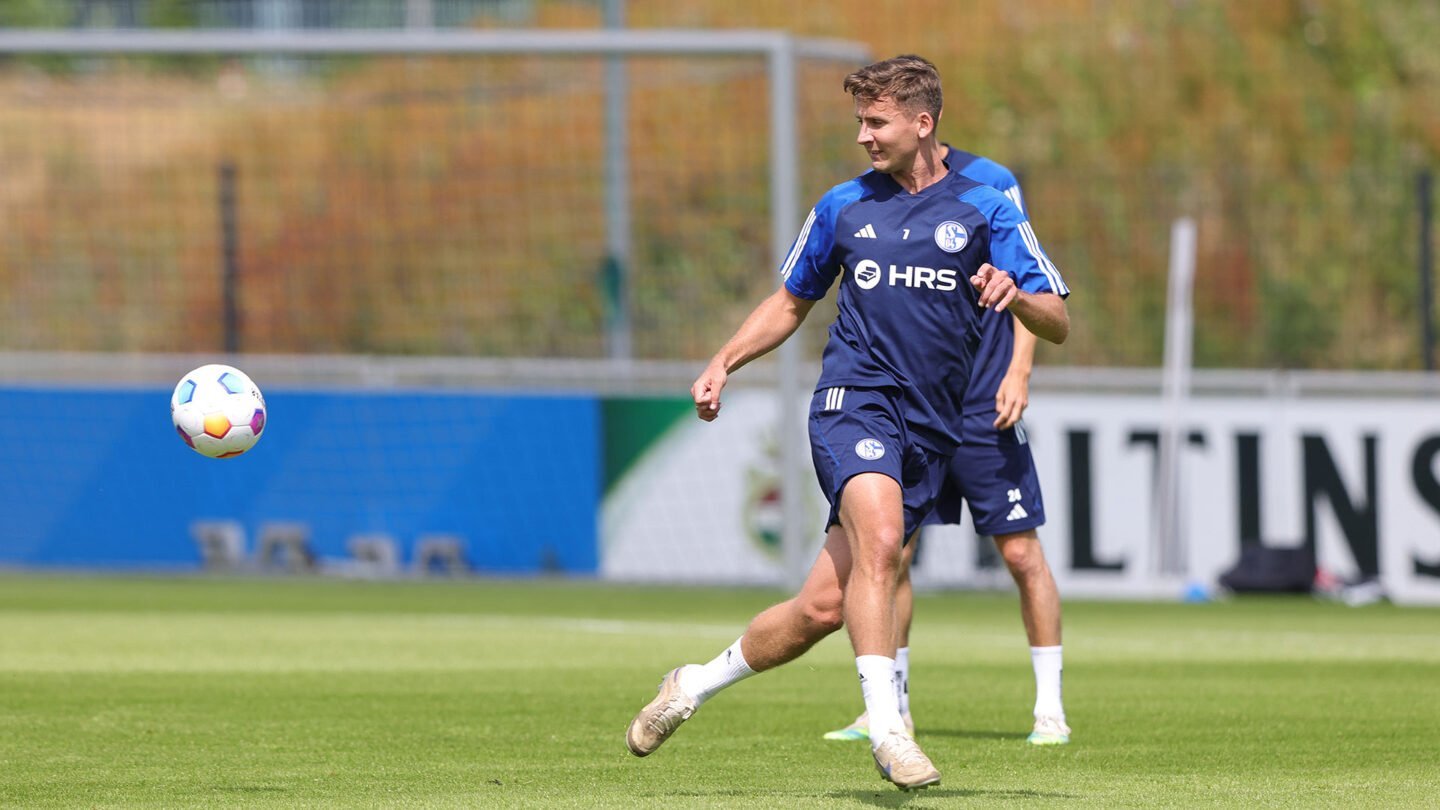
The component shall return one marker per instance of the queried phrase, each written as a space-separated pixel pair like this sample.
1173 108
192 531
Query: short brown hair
908 80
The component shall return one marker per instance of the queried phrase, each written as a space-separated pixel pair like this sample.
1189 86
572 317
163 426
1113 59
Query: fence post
618 249
1424 183
229 259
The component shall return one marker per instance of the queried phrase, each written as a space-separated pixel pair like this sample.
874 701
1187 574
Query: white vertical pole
419 14
278 16
784 199
1170 543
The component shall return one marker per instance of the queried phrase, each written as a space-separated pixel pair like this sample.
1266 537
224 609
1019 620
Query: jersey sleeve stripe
1013 193
798 247
1052 274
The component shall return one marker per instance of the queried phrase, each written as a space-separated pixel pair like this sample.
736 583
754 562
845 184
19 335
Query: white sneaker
660 717
860 729
899 759
1050 729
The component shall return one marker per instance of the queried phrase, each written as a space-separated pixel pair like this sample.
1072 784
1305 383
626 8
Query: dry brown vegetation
455 206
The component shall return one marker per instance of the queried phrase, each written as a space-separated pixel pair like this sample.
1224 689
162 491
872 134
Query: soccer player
994 473
920 246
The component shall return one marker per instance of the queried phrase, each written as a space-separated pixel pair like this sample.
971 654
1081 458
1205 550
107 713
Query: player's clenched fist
706 392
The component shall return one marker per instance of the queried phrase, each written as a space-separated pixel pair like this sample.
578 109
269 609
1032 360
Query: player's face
889 134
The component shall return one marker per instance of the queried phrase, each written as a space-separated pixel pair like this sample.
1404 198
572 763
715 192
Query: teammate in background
994 473
921 245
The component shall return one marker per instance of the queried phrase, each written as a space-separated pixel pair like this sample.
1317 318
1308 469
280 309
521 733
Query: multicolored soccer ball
218 411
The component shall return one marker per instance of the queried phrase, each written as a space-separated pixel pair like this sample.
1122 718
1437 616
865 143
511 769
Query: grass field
193 692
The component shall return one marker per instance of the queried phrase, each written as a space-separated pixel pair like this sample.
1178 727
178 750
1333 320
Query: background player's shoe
660 717
1050 729
899 759
860 729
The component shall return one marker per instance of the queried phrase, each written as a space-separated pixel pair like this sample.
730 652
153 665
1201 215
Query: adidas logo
1017 513
867 232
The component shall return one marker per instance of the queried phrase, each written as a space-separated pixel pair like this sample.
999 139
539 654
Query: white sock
703 681
877 684
1048 666
902 679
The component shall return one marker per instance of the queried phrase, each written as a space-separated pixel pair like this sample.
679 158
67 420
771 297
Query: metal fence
457 206
264 14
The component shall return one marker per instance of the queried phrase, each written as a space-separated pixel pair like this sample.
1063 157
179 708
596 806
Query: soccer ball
218 411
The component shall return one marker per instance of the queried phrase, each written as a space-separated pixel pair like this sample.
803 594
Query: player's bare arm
774 320
1013 395
1044 314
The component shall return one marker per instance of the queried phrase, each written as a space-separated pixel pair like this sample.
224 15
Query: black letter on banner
1247 481
1360 524
1082 527
1423 471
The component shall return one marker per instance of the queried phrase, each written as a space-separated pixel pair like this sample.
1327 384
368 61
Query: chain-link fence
456 206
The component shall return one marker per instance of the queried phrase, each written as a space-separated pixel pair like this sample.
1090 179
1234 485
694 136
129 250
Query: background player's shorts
857 430
999 484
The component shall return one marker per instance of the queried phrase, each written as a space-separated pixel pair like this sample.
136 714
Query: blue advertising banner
99 478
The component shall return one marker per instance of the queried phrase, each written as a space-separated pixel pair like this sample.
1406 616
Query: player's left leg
779 634
1040 611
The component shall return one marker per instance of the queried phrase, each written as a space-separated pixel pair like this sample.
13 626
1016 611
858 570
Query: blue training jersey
997 336
908 317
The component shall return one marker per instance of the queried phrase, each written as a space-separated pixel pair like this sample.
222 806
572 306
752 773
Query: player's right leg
874 513
779 634
859 729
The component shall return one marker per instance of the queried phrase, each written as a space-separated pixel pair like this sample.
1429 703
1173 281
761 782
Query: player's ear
924 124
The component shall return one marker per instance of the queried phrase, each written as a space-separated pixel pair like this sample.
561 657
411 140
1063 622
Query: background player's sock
702 682
902 678
1048 666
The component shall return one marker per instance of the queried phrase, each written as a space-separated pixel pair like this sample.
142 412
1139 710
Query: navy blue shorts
999 484
858 430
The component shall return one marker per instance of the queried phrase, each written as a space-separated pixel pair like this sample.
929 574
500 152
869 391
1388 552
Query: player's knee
817 608
881 553
821 617
1023 554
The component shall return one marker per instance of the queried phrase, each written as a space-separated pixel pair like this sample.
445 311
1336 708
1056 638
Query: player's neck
926 170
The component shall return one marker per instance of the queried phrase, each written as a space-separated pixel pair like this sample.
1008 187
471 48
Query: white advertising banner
702 505
1356 479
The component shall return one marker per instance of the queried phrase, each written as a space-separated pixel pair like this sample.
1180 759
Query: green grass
193 692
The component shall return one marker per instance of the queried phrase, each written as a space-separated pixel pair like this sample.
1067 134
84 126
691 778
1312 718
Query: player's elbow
1062 329
1052 326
